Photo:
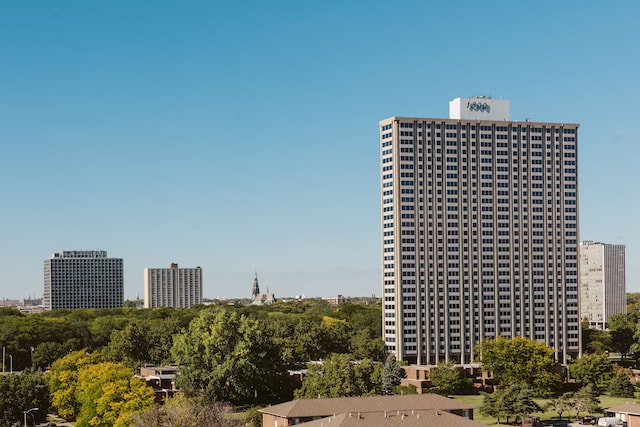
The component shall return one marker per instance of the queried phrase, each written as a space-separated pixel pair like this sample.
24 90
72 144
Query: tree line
242 355
234 354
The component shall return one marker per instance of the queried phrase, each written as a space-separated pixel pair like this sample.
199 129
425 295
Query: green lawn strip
548 416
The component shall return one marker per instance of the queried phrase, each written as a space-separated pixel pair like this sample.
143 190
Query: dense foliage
447 379
620 384
19 392
109 395
521 361
96 393
514 401
250 349
37 340
228 357
583 401
340 376
622 328
593 369
391 374
62 380
183 412
241 354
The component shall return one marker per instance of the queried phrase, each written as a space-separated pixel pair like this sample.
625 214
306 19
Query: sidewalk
59 422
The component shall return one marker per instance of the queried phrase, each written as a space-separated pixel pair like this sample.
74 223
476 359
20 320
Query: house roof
344 405
427 418
627 408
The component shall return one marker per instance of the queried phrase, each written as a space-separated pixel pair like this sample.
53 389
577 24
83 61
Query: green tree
44 354
489 406
595 341
447 379
515 400
338 332
633 302
594 369
161 339
309 337
520 361
109 394
523 405
392 374
101 328
228 357
363 345
23 391
338 376
635 347
586 400
142 341
129 345
562 404
622 328
620 385
62 380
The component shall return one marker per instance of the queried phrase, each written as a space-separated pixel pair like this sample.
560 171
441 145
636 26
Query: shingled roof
427 418
628 408
344 405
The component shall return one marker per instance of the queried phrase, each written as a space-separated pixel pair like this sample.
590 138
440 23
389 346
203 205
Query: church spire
256 288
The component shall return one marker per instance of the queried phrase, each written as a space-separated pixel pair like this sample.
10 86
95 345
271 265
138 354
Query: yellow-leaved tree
109 394
62 379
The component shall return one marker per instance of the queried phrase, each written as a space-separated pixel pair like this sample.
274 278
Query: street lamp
25 414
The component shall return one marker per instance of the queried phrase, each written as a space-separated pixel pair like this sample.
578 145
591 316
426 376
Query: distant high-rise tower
172 287
602 282
479 232
83 279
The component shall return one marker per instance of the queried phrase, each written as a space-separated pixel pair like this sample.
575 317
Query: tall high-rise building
602 282
172 287
83 279
479 232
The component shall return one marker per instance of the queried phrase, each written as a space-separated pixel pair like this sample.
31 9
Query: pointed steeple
256 288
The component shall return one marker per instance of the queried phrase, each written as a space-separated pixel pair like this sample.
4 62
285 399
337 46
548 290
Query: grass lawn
548 416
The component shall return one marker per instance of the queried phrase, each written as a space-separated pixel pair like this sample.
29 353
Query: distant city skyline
243 137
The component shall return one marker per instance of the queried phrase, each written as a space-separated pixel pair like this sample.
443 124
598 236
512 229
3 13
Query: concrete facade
603 290
83 279
479 235
172 287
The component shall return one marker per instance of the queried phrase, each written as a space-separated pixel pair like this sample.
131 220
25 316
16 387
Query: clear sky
242 136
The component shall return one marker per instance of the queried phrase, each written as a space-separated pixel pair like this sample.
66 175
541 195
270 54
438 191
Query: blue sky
243 136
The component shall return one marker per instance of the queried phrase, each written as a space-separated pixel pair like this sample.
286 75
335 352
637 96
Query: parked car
589 419
610 422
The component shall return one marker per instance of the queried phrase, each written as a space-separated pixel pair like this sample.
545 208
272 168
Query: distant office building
479 232
260 299
83 279
172 287
337 300
602 282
